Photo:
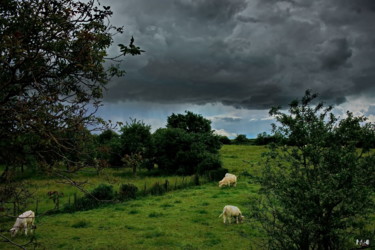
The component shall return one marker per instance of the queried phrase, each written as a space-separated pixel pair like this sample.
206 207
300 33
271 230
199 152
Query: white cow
231 211
24 221
228 180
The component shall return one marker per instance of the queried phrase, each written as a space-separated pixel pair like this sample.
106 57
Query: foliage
265 139
133 161
55 197
216 174
208 163
52 69
103 192
241 139
181 152
109 148
136 144
157 189
224 140
317 191
16 194
185 144
190 122
127 192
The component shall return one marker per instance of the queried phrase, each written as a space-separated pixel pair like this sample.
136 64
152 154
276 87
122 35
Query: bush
196 180
103 192
225 140
81 204
180 152
217 174
210 162
315 194
157 189
127 192
241 139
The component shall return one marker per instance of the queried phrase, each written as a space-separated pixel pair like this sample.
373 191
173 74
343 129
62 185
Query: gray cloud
335 54
228 119
250 54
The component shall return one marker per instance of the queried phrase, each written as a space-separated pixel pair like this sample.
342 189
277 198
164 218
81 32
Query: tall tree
52 75
190 122
187 145
316 192
136 144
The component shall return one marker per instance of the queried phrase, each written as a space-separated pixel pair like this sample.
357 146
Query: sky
232 60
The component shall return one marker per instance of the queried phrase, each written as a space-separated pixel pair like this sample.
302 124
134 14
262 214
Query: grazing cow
228 180
24 221
363 243
231 211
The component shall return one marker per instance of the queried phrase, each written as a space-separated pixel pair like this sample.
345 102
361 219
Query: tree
264 139
187 145
52 75
224 140
136 144
108 149
190 122
317 192
241 139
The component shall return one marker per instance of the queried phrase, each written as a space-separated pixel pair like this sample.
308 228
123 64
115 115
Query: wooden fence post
75 201
36 206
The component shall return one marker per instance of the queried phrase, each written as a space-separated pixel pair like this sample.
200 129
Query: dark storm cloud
250 54
216 11
336 54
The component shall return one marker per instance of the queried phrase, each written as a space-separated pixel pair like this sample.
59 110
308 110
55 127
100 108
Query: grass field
181 219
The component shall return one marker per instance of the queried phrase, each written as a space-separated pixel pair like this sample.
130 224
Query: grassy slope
182 219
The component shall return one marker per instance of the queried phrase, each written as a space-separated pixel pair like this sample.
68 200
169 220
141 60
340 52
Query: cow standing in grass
24 221
231 211
228 180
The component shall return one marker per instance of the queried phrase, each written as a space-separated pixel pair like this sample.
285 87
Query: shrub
210 162
315 193
186 142
103 192
127 192
157 189
241 139
217 174
196 180
225 140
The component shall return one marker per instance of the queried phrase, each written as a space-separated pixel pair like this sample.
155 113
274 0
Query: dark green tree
224 140
241 139
187 145
136 144
190 122
264 139
108 149
53 71
317 193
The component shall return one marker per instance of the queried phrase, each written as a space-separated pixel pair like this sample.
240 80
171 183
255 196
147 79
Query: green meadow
182 219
